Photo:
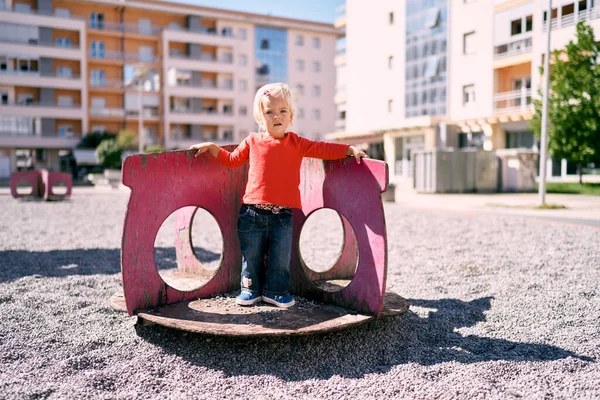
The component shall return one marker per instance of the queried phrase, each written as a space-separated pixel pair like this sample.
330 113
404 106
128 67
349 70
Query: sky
314 10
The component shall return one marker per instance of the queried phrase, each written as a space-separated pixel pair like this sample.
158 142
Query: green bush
109 153
155 148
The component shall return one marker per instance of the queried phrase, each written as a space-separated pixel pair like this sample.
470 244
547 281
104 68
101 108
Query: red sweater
274 172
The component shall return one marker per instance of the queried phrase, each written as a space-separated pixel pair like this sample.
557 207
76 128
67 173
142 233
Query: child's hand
212 148
356 153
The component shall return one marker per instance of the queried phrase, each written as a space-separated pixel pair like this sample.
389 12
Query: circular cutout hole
24 188
191 267
328 250
59 188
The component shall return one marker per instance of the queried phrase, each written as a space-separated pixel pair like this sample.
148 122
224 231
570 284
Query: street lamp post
544 133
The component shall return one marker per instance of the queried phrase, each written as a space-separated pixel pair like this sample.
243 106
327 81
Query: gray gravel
501 307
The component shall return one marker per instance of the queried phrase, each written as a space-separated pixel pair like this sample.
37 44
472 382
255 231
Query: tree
127 140
93 139
109 153
574 101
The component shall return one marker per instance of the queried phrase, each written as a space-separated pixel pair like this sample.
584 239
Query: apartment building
448 73
176 73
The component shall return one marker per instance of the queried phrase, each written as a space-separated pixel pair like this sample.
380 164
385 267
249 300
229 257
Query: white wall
475 68
370 40
325 79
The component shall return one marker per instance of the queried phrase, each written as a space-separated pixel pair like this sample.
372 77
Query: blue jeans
267 235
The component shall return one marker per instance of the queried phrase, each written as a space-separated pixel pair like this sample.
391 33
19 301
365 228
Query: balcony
37 140
106 84
33 17
340 17
201 89
36 79
150 114
206 37
182 115
44 110
516 101
35 47
568 20
513 48
107 112
119 56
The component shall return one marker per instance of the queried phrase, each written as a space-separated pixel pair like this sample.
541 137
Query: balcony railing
36 42
201 85
107 112
146 113
202 31
187 110
569 19
513 101
513 48
45 104
204 57
37 74
106 83
121 56
15 133
39 12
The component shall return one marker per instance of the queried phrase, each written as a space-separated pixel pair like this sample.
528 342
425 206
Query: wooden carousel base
221 316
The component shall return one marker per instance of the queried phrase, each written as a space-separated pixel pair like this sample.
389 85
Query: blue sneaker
247 299
284 301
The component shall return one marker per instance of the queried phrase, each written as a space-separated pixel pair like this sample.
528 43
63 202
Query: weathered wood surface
160 184
220 316
42 183
165 182
354 191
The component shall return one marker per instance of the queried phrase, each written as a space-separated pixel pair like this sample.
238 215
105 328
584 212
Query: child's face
277 115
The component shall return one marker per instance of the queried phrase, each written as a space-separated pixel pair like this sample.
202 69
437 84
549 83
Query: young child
265 218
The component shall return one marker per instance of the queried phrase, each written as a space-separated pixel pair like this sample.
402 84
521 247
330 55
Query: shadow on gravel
15 264
353 353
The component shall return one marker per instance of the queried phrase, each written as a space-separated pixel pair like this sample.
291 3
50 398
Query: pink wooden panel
161 184
354 190
345 266
186 258
31 177
49 179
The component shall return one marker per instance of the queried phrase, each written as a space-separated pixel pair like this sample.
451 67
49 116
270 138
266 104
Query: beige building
178 73
447 73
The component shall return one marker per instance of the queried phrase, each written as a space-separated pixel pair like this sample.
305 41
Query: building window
299 40
300 88
65 131
243 33
390 62
316 42
243 85
516 27
300 65
390 105
316 90
63 42
468 45
471 140
227 31
65 72
529 23
97 49
243 59
431 67
432 19
264 44
317 114
391 18
270 54
468 94
98 78
316 66
301 113
243 110
96 20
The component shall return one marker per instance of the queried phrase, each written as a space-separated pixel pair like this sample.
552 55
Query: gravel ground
501 307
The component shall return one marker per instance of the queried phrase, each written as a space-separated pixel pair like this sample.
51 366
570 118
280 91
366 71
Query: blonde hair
271 90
